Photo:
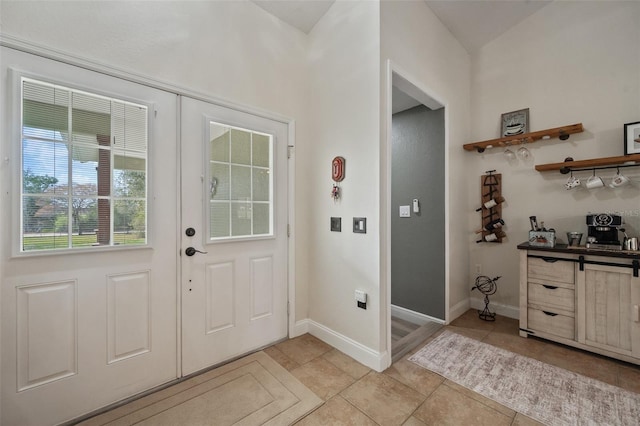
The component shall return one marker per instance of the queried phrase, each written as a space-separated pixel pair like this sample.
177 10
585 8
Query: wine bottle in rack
494 224
491 203
494 236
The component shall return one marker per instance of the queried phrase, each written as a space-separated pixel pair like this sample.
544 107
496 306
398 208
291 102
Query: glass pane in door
239 176
82 154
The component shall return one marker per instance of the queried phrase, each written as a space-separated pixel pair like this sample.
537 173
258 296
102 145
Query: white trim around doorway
424 92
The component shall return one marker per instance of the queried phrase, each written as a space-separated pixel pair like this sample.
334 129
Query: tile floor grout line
365 414
478 401
419 405
425 399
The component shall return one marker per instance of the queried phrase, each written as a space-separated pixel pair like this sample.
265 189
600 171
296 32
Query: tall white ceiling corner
473 22
301 14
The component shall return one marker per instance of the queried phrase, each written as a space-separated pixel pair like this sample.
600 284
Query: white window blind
84 169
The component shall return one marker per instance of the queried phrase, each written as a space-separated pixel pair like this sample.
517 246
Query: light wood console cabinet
583 298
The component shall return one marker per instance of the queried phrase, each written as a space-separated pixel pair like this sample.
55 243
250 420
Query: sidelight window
84 169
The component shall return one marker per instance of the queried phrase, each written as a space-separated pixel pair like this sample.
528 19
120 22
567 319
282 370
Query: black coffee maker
603 231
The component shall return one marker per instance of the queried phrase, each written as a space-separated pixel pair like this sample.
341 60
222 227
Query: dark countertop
564 248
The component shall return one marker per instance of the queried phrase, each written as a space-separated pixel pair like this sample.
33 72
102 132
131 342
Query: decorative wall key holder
337 174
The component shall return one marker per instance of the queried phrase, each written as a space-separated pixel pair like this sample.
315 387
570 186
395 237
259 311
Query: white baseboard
299 328
413 316
459 309
504 310
380 361
367 356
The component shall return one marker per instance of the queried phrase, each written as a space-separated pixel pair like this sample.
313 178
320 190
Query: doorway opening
417 236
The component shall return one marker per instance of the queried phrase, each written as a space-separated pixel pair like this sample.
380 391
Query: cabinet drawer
542 270
552 323
552 296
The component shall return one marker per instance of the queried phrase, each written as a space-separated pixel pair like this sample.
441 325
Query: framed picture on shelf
632 138
515 122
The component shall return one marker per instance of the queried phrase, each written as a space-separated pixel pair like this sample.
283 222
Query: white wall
327 81
232 50
570 62
421 46
229 50
344 106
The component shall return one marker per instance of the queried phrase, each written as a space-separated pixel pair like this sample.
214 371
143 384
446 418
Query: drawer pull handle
549 259
551 314
550 287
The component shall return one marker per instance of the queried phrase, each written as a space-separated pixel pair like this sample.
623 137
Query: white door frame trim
391 69
134 77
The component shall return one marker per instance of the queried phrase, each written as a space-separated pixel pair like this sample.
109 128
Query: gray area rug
546 393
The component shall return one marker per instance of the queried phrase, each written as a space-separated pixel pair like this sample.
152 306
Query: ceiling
302 14
473 23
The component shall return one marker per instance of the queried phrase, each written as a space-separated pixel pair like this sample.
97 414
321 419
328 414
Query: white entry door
88 239
234 233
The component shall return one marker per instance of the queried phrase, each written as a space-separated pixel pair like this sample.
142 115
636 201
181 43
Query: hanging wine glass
508 154
523 152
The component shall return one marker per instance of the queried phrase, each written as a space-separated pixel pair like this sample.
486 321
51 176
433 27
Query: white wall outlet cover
361 296
405 211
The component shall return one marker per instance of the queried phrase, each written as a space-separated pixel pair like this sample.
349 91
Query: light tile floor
406 394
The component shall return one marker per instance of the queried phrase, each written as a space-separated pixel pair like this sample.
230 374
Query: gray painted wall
417 242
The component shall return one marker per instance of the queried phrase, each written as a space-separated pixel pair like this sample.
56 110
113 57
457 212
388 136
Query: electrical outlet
478 268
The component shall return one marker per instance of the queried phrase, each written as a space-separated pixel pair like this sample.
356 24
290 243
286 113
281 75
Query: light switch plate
360 225
405 211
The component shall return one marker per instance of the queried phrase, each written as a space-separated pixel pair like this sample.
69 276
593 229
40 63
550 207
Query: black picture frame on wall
632 138
515 122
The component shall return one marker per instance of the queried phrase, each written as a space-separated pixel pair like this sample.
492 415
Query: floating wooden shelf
557 132
567 166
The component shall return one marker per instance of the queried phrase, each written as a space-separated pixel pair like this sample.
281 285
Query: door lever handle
190 251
